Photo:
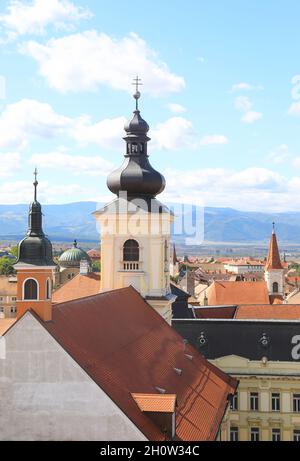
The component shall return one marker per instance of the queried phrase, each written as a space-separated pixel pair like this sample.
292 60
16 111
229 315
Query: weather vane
137 82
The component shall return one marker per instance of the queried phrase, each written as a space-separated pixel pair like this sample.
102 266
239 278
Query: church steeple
135 227
274 271
35 248
273 260
35 265
136 176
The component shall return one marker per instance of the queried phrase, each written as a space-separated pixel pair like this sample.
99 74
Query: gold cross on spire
137 82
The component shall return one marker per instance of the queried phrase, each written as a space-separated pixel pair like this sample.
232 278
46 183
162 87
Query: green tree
14 251
96 266
6 266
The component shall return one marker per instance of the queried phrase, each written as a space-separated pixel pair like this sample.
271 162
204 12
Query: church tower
35 266
274 272
135 227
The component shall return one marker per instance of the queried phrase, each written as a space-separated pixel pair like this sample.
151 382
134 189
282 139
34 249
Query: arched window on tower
131 255
275 287
48 289
30 290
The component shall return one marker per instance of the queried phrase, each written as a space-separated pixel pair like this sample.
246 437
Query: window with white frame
234 434
254 401
275 401
235 402
254 434
276 435
296 403
296 435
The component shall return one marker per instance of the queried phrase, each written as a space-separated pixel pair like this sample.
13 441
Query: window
1 309
275 402
30 290
276 435
131 251
296 403
13 310
234 403
296 435
234 434
14 299
131 255
254 434
48 290
254 402
275 287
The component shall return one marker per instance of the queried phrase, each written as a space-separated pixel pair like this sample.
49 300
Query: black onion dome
35 249
136 176
137 124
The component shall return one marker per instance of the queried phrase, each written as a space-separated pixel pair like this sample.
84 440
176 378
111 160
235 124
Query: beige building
8 297
267 404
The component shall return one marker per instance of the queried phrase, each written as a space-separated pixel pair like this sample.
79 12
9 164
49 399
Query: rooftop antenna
137 82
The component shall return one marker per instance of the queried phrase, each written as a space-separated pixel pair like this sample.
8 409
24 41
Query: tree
96 266
6 266
14 251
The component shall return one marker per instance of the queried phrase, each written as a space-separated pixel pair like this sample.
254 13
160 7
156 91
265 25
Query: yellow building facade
267 404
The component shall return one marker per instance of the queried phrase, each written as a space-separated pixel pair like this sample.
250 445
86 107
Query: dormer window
131 255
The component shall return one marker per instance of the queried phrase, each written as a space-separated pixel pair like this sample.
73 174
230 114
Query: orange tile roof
126 347
80 286
230 293
5 325
269 312
273 261
155 403
215 312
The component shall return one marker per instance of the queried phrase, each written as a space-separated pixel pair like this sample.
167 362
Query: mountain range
64 223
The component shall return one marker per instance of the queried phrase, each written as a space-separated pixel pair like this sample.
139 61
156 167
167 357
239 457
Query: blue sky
218 94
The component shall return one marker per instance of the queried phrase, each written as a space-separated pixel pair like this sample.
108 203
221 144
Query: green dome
73 257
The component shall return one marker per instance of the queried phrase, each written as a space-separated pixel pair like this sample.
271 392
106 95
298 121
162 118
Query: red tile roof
80 286
6 324
155 403
126 347
230 293
215 312
269 312
273 261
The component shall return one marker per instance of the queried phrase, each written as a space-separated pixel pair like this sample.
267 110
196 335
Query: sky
221 92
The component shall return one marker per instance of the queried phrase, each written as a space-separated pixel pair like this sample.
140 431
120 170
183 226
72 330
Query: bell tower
35 266
135 227
274 271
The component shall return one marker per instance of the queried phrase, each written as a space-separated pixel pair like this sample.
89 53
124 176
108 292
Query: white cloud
213 140
280 154
295 109
107 133
251 117
175 133
21 192
84 61
176 108
34 17
27 118
245 87
243 104
260 188
10 163
76 164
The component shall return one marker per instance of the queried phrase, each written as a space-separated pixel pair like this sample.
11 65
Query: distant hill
75 220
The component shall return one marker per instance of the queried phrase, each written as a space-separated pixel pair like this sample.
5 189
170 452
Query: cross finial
137 82
35 184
